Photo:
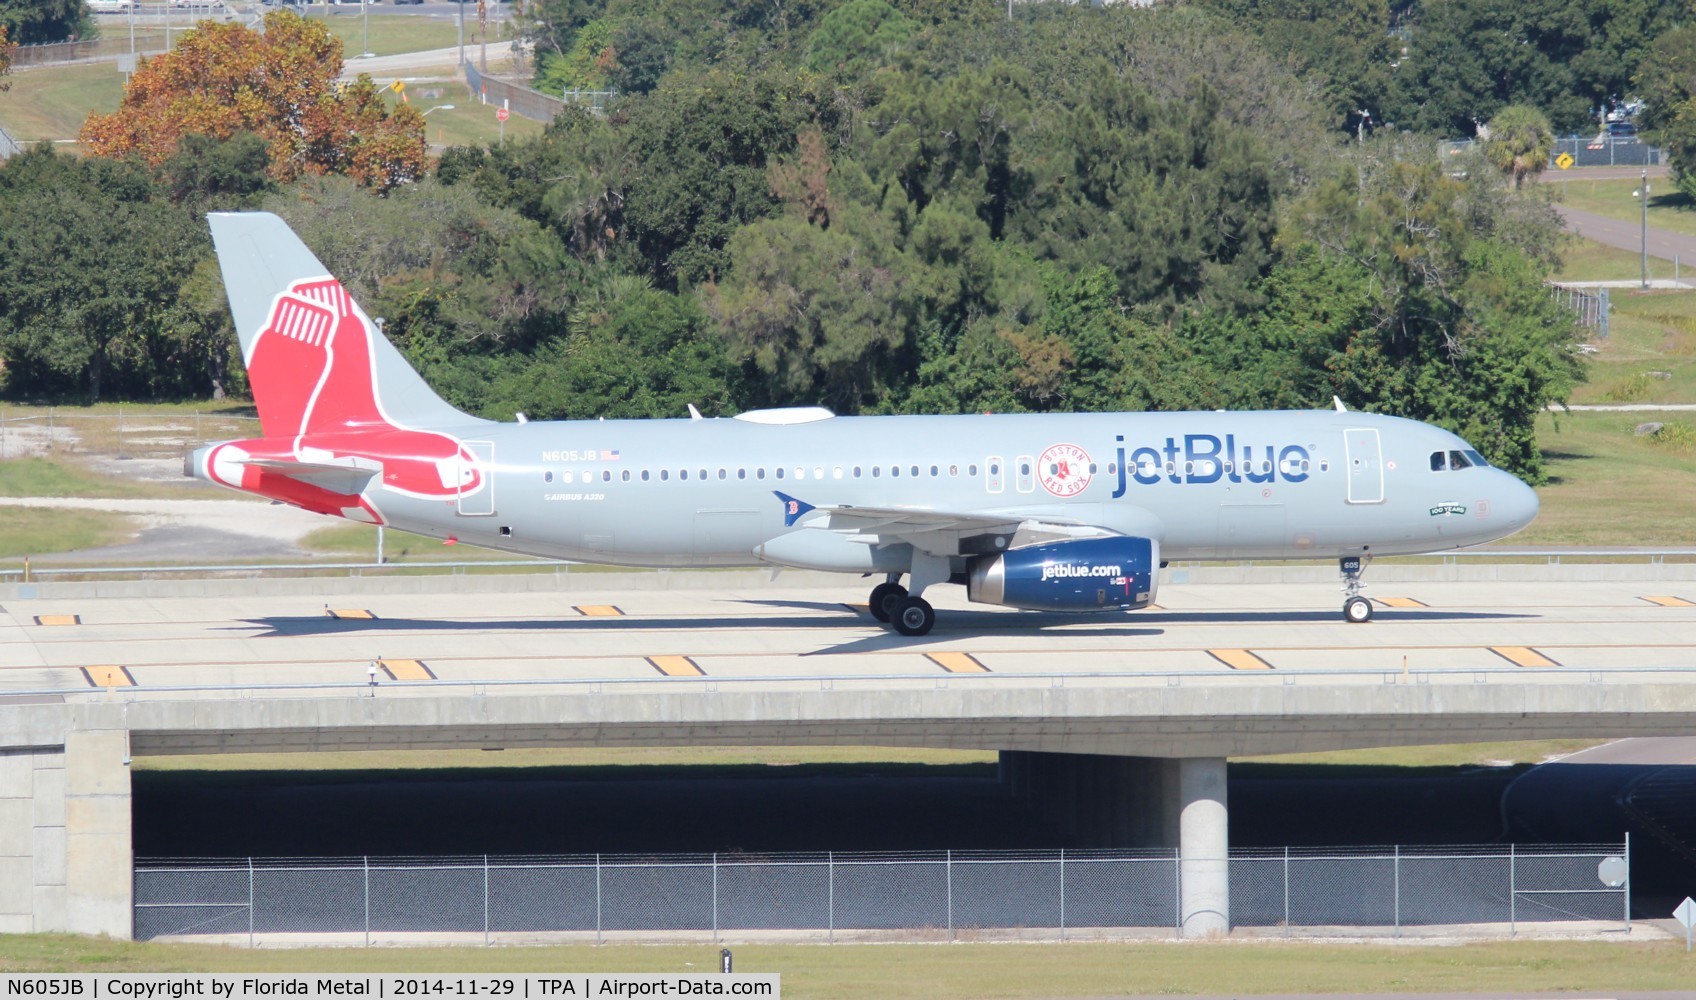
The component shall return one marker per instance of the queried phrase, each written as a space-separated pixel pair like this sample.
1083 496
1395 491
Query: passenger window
856 472
876 471
644 475
778 472
1025 482
1437 464
800 472
971 470
1458 461
818 472
625 475
606 476
568 476
665 474
683 473
953 470
703 474
993 481
836 472
741 473
895 472
915 472
760 473
548 477
934 472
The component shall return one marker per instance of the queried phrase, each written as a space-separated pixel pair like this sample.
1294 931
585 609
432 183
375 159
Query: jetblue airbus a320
1053 512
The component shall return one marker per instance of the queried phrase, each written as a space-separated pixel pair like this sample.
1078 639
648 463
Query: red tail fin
311 366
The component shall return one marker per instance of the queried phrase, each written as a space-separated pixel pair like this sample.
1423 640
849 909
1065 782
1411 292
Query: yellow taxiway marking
676 666
861 608
1671 602
1400 602
352 613
108 677
1239 659
407 670
957 663
1523 656
598 610
58 619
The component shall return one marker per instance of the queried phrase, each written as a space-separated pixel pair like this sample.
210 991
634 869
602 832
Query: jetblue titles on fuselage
1206 458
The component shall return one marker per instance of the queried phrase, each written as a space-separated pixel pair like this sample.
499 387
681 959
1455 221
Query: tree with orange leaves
5 58
281 85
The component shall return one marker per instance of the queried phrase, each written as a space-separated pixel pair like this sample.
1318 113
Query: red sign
502 115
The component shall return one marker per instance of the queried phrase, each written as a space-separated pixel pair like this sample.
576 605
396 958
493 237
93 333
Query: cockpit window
1477 459
1458 461
1438 462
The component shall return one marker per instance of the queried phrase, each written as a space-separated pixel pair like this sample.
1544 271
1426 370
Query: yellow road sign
1564 160
399 86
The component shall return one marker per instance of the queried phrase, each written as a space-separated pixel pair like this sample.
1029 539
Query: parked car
110 6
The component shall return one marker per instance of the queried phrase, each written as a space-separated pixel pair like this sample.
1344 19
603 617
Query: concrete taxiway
1122 721
69 639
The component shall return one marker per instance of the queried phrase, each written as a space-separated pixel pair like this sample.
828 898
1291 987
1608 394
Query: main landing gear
904 609
1356 609
891 603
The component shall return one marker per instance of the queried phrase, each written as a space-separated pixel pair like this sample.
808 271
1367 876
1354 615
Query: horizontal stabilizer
349 477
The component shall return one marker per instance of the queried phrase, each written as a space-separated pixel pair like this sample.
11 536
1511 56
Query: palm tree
1518 141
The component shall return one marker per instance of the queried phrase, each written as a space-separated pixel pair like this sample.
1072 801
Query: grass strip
1049 971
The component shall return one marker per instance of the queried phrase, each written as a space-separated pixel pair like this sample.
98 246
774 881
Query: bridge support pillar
1204 867
1106 801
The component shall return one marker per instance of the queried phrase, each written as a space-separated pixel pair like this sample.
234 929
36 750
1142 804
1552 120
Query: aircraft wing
945 533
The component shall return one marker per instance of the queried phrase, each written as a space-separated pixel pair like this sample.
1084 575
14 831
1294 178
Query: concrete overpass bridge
1120 727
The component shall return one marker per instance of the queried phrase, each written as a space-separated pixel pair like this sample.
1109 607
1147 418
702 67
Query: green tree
1519 143
93 261
1344 48
1468 59
1667 84
32 22
1459 329
699 152
856 38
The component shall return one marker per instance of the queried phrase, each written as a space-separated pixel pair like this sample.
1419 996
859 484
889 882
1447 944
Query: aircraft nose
1517 503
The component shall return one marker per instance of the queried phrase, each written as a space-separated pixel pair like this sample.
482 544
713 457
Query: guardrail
1385 676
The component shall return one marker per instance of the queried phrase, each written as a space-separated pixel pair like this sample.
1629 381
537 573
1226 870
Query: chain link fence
1590 308
1593 151
120 433
940 895
515 98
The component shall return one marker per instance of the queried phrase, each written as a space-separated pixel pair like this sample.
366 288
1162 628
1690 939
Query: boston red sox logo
1064 470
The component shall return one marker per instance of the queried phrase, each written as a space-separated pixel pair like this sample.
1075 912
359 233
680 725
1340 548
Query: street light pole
1644 190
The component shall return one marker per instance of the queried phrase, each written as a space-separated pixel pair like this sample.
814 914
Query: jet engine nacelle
1088 574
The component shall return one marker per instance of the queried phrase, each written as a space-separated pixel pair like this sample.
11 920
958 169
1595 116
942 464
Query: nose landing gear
1356 609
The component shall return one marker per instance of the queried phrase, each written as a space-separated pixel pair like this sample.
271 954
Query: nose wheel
1356 609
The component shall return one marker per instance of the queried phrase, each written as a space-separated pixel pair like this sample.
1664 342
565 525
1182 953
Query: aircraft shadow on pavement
314 625
1023 621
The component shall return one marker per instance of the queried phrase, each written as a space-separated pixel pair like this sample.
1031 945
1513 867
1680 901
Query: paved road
1612 232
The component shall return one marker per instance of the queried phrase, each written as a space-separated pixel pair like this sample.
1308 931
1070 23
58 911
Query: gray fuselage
1205 485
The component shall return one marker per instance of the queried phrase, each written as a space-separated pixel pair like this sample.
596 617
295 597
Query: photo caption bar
384 986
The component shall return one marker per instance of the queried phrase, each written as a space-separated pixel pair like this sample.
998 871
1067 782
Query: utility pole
1643 192
462 38
483 36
